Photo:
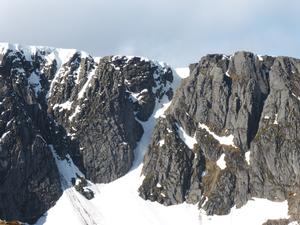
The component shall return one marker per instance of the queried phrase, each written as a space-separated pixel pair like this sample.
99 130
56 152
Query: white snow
221 162
86 85
276 119
260 58
247 157
187 139
160 112
183 72
161 143
296 96
137 96
4 135
66 105
227 74
34 81
72 207
77 110
266 117
223 140
255 212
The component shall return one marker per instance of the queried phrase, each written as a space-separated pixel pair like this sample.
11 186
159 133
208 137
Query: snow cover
255 212
221 162
223 140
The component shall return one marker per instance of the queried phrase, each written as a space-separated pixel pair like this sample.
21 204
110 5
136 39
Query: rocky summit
228 134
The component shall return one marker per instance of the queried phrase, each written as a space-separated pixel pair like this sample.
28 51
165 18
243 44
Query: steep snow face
119 203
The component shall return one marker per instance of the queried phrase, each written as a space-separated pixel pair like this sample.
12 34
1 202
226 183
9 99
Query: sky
178 32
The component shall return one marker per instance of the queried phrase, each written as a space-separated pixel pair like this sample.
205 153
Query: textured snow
223 140
72 207
221 162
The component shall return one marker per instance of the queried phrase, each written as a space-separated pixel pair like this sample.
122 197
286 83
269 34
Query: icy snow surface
119 203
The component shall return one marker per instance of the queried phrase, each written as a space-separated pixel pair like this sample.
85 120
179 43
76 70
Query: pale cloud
176 31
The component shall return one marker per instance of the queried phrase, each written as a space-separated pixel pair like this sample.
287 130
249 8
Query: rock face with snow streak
82 106
100 112
253 99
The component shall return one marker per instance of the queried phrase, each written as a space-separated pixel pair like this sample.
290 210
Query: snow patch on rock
221 162
223 140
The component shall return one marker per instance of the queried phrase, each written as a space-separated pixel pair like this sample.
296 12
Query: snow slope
119 203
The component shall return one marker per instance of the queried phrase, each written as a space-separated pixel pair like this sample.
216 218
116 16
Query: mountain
88 140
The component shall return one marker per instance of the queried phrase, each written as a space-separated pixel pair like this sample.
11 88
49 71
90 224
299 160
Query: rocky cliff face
88 108
249 99
229 134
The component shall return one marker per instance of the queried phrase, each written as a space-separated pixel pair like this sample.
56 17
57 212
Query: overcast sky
176 31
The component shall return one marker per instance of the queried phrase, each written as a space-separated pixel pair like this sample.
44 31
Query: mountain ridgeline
67 104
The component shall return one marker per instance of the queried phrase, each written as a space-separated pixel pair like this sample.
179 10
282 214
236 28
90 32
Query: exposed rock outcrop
86 107
253 98
29 179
